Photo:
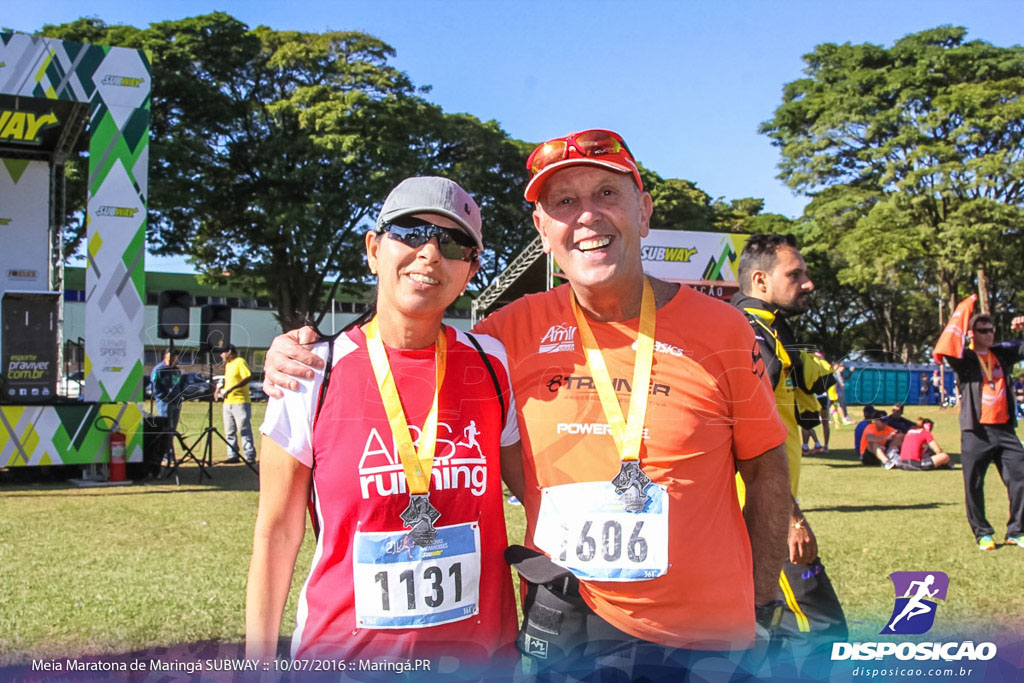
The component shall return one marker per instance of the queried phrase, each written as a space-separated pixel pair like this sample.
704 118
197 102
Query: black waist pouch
554 614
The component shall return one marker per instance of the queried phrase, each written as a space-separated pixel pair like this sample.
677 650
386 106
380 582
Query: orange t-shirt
708 403
884 433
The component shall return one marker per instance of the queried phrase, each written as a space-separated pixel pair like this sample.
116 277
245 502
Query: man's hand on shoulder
1017 324
289 357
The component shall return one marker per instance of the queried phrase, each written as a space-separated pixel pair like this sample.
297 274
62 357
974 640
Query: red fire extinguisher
117 448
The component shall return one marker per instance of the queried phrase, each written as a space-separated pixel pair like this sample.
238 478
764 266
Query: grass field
113 570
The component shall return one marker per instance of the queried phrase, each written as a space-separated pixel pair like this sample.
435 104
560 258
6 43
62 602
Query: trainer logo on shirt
585 383
459 462
559 337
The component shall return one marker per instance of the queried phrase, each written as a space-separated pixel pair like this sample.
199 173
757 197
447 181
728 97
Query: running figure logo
471 432
916 593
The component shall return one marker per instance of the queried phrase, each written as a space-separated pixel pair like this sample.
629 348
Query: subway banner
67 435
115 83
24 224
706 261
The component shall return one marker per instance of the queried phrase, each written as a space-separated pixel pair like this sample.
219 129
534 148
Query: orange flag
953 339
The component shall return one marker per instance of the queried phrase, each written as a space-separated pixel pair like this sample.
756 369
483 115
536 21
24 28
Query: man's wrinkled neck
614 303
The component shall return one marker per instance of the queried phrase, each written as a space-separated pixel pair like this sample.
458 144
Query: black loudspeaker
172 314
214 326
157 439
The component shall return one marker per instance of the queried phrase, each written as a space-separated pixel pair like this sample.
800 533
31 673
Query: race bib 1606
586 529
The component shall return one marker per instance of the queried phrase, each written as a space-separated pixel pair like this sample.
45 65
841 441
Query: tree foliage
272 150
914 158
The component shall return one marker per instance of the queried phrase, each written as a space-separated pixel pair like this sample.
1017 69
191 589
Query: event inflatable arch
51 93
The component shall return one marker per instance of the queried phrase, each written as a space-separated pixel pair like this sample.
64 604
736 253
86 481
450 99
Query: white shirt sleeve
496 350
289 420
510 434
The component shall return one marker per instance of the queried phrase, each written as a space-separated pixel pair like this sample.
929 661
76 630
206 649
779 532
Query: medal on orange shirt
986 368
421 515
631 482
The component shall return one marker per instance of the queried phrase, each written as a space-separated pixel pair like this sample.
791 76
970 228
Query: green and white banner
705 260
24 225
115 82
67 435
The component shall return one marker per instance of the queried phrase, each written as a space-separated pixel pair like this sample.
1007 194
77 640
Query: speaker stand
205 458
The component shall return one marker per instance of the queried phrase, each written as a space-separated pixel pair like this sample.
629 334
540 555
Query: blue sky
685 83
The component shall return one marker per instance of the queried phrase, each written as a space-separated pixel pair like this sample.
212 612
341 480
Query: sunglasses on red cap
597 145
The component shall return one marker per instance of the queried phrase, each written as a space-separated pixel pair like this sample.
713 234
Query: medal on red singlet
421 515
631 482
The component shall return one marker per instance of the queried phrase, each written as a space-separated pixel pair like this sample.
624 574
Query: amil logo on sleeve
917 594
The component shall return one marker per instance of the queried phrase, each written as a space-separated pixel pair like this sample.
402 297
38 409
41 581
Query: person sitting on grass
858 429
920 450
897 421
880 443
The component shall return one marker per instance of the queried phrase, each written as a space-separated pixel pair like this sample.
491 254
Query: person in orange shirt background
987 426
880 443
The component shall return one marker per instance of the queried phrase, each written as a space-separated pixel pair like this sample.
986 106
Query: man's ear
538 223
646 210
759 280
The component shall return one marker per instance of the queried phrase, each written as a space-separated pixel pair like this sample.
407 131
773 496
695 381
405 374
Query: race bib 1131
399 584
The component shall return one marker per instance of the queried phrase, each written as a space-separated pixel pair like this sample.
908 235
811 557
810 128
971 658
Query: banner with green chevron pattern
67 435
706 260
115 82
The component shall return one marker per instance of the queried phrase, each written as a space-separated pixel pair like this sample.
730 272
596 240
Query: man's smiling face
591 221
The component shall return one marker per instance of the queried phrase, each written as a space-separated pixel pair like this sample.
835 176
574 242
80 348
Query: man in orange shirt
988 423
639 515
880 443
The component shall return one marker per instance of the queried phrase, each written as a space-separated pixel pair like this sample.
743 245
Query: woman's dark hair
361 319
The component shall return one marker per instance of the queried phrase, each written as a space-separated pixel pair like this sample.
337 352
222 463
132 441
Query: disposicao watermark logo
916 595
913 613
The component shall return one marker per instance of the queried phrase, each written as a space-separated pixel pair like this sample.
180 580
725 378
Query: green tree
678 204
914 157
272 150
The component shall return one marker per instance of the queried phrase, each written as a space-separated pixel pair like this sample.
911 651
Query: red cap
619 160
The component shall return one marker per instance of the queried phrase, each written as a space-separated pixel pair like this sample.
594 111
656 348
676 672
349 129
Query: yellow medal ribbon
627 434
417 464
986 366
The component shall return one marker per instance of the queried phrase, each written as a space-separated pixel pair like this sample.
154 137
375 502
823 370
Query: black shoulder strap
327 379
311 503
494 375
